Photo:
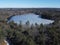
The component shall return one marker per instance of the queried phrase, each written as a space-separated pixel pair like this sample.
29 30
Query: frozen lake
32 18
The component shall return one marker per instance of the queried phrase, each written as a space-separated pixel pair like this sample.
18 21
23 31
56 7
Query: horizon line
29 7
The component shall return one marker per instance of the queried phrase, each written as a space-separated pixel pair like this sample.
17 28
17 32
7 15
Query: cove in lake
32 18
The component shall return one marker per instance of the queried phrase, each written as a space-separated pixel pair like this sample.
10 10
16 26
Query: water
32 18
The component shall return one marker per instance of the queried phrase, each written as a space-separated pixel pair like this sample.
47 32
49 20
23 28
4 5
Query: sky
29 3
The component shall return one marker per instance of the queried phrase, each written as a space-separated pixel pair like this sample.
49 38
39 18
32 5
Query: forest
30 34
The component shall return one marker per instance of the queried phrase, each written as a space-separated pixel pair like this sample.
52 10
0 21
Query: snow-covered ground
6 42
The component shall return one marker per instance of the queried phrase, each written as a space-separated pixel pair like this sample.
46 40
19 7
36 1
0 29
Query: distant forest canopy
49 13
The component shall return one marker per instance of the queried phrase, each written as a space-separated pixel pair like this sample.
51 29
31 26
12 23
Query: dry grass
3 43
